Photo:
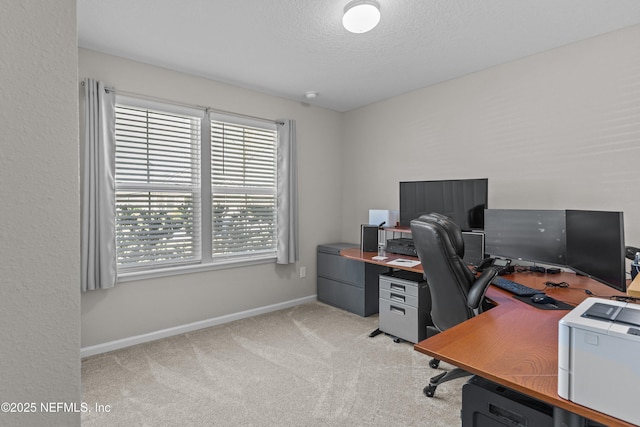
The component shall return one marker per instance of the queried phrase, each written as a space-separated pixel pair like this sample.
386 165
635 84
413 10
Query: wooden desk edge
509 381
358 255
567 405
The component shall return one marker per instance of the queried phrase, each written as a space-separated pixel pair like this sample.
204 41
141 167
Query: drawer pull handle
395 309
397 297
399 287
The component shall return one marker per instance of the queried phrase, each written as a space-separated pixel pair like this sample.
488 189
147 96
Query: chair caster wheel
434 363
396 340
430 390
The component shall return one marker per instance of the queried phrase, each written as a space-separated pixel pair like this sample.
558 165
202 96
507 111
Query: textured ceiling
288 47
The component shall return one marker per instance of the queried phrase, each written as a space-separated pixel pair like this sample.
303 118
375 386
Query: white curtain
287 193
98 209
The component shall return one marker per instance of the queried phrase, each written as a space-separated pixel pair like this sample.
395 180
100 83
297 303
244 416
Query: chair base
434 382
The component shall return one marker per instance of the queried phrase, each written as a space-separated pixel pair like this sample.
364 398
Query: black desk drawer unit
405 305
345 283
486 404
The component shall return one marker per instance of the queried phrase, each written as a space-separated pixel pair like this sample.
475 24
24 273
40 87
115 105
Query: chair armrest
479 287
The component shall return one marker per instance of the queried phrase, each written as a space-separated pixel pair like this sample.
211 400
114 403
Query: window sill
197 268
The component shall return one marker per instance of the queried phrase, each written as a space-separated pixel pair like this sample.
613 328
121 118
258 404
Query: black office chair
456 294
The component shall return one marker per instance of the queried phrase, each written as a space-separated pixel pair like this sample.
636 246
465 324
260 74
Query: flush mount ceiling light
361 16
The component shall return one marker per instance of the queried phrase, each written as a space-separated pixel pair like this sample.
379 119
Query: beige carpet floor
310 365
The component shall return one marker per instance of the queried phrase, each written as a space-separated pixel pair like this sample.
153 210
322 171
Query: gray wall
39 189
146 306
558 130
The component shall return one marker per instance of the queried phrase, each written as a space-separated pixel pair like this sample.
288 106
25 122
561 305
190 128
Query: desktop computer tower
487 404
473 246
369 238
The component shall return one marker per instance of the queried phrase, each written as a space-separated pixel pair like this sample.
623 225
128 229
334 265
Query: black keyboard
514 287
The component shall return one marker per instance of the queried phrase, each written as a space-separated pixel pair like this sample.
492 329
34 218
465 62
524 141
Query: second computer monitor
527 235
595 246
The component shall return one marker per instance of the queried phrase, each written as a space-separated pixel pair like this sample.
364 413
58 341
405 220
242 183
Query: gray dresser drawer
398 286
400 297
399 320
339 268
341 295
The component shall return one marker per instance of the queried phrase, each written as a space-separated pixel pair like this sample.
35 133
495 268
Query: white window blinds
157 187
243 183
193 189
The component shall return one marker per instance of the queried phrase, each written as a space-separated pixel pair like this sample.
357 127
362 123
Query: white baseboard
164 333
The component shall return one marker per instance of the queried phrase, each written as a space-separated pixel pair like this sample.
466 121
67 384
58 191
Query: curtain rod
181 104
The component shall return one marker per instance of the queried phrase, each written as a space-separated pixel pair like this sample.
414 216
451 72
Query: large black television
527 235
462 200
595 246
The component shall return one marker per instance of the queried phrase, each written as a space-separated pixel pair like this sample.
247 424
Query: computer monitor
462 200
526 235
595 246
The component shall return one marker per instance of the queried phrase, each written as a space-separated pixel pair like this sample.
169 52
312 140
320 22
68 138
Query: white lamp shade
361 16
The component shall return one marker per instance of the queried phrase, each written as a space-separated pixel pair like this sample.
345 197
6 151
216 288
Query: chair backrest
457 240
437 242
452 229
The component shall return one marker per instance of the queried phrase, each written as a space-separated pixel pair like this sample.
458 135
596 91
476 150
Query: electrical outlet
303 272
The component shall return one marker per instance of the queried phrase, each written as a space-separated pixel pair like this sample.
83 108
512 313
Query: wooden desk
358 255
516 345
513 344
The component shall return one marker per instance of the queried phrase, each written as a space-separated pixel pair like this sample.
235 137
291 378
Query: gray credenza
345 283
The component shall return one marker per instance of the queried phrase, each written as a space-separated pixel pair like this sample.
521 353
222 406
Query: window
165 217
243 183
157 188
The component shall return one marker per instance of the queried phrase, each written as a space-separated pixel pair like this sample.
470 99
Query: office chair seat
456 294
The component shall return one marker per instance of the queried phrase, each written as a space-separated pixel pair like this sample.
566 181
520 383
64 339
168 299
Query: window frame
252 190
207 261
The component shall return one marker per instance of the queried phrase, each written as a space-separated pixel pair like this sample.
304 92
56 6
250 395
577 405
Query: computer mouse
542 299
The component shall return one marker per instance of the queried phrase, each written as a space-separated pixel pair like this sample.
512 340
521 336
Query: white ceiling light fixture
361 16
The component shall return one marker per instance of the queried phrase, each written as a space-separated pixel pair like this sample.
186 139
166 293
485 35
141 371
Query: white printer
599 357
